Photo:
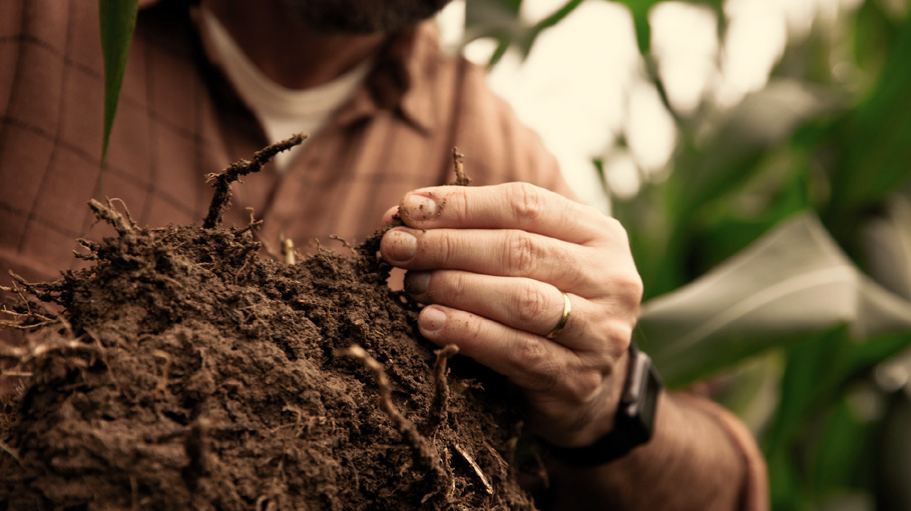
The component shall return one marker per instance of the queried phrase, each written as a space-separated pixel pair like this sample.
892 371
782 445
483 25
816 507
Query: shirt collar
400 81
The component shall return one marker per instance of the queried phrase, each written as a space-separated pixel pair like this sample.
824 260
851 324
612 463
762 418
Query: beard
363 16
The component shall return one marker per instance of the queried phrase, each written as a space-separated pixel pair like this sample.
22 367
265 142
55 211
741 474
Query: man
521 278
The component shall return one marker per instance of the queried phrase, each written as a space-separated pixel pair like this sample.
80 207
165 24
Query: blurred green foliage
828 137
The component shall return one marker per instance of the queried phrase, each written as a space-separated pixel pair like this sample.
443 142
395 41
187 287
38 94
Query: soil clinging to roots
187 372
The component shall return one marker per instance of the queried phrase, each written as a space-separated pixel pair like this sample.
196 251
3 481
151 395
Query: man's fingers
507 206
530 361
519 303
505 253
387 216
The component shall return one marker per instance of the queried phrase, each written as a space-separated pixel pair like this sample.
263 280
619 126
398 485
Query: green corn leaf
843 440
117 19
814 373
792 284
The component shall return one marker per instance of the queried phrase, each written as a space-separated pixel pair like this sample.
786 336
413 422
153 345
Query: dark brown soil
187 372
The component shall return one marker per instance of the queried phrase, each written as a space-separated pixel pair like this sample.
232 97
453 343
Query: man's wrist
633 422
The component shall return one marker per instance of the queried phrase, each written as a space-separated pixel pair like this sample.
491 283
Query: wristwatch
634 422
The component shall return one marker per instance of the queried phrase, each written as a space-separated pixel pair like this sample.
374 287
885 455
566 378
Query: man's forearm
694 462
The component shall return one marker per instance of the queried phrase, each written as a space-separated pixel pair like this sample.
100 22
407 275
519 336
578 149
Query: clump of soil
187 372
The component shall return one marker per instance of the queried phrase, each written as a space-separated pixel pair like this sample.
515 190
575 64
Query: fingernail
417 282
419 207
432 319
399 245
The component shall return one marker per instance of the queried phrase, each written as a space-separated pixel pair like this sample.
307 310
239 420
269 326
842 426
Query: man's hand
492 264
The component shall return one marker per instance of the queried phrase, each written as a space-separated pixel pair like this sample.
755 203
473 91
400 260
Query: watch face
641 399
649 400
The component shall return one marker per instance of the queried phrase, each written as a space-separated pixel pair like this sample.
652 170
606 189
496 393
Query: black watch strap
634 422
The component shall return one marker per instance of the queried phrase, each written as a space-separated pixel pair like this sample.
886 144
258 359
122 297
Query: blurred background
757 151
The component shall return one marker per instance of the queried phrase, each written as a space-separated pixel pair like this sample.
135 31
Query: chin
363 16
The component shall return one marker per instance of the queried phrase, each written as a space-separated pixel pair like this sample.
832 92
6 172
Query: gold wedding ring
567 308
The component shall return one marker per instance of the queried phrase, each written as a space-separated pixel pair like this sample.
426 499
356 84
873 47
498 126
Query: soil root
18 326
92 248
12 452
477 470
462 178
25 355
46 292
222 182
289 255
423 450
341 240
254 224
121 223
196 445
440 410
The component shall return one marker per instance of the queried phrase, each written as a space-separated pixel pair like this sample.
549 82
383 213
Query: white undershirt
281 111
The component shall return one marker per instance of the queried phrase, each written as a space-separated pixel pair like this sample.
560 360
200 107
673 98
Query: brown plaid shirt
179 119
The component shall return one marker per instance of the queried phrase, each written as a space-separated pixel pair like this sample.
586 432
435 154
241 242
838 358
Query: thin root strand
423 450
12 452
440 410
477 470
254 223
121 223
341 240
24 355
